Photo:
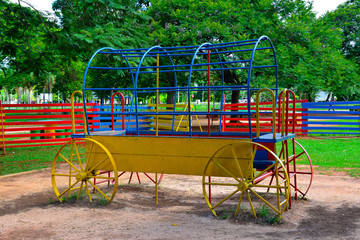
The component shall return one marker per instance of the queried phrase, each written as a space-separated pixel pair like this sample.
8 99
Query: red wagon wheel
300 169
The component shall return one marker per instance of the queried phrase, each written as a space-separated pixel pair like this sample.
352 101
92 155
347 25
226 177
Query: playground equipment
233 165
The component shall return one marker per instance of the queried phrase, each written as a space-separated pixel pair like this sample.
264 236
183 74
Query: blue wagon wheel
233 178
77 165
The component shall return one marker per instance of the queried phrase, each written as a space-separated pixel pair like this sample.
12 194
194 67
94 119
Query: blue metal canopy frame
233 56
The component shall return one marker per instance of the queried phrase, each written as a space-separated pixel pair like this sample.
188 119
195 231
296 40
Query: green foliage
68 78
346 21
26 52
88 25
265 214
307 47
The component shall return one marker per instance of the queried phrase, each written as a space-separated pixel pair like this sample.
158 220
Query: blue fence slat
331 123
315 104
330 107
326 112
342 133
332 112
120 107
101 118
332 117
332 128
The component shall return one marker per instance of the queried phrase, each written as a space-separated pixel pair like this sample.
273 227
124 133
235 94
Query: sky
320 6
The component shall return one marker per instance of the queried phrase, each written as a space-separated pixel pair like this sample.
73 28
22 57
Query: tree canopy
26 51
346 19
308 48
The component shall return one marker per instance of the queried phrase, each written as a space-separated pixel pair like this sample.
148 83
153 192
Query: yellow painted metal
79 174
273 111
157 93
243 178
164 122
73 112
156 189
168 155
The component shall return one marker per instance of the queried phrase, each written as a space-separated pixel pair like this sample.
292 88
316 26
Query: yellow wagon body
168 155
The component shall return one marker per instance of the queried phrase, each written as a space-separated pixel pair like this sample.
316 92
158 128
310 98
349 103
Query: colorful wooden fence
31 125
240 122
103 119
339 118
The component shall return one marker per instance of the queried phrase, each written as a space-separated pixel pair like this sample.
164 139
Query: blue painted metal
141 63
325 118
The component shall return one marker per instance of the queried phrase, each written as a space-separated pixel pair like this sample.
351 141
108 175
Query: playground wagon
156 116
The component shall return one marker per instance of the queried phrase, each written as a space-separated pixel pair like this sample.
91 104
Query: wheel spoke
270 186
69 188
79 193
98 164
299 155
78 156
70 163
102 177
88 191
225 198
265 201
265 170
237 161
239 203
251 204
221 184
225 170
63 175
88 156
98 189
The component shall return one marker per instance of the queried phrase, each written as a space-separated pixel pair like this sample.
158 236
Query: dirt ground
29 210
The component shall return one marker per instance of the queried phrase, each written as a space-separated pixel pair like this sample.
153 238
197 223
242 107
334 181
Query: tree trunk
232 78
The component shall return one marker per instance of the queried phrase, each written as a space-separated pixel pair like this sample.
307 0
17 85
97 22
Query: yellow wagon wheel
232 174
78 164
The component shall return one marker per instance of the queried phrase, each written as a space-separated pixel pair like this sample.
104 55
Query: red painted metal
208 78
123 110
265 120
2 128
32 125
138 177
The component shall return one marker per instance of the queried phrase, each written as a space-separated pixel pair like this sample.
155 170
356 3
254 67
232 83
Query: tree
25 54
346 20
307 49
87 25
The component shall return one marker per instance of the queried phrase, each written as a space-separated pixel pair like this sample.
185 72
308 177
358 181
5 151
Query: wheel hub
81 176
243 186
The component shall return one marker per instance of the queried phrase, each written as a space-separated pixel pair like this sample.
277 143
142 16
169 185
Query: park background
46 52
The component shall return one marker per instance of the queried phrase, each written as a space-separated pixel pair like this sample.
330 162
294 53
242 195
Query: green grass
338 154
26 159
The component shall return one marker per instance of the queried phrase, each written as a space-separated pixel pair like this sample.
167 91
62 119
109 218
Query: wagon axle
82 176
244 185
